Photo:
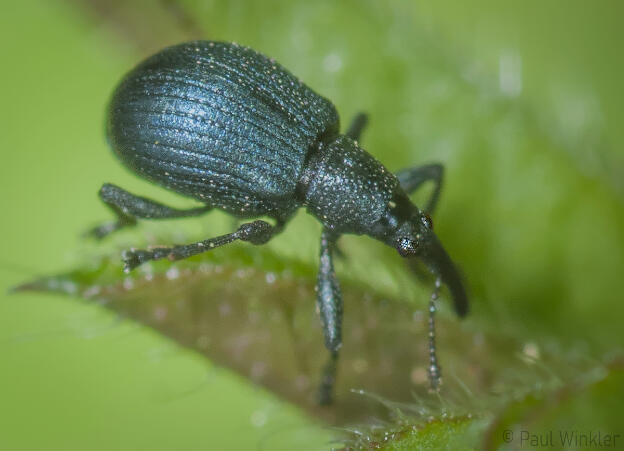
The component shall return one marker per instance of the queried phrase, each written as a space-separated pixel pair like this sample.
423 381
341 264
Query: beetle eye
427 221
407 247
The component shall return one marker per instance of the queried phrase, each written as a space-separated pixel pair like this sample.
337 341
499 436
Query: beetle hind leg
129 207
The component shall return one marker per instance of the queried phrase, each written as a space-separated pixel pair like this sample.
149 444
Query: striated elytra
233 129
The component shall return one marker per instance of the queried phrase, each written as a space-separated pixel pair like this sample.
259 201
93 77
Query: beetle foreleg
411 179
329 304
434 371
129 207
256 232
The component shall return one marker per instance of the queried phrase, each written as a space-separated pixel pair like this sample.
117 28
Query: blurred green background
522 103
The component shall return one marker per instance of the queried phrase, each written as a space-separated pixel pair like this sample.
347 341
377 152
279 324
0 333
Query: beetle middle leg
129 207
256 232
329 303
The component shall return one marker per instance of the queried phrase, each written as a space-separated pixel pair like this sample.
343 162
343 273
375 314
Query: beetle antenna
435 374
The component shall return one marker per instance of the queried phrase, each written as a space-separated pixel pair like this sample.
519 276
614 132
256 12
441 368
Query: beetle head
414 234
415 238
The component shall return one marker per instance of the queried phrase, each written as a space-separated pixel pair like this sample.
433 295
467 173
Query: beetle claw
133 258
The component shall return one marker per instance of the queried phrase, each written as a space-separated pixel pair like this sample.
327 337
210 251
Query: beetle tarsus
328 381
434 370
135 257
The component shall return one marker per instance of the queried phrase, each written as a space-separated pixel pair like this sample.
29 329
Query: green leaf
531 210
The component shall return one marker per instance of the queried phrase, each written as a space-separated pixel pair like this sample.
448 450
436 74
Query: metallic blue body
233 129
221 123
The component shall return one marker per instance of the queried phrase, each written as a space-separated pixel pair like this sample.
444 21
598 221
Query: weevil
233 129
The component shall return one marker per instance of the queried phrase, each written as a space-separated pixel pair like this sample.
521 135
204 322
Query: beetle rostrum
233 129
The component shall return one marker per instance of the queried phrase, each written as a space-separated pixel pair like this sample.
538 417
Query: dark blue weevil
226 125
